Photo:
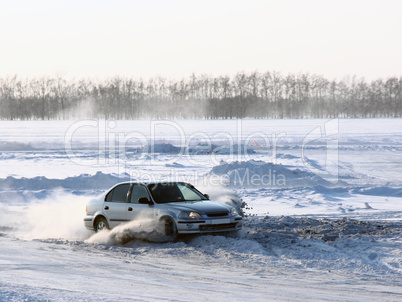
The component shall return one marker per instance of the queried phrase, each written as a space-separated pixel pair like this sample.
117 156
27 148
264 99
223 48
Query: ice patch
216 244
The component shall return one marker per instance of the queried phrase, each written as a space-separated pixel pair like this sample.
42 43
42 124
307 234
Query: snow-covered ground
322 201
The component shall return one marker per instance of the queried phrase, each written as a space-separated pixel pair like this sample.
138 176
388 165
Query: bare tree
252 95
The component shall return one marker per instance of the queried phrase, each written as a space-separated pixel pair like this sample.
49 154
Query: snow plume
141 229
57 216
83 109
222 194
146 227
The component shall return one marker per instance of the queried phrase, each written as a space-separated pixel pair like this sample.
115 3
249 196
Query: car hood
201 206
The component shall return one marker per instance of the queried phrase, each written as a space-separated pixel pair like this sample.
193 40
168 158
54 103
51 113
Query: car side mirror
206 196
144 200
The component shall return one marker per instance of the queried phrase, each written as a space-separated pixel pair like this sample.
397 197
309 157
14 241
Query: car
176 207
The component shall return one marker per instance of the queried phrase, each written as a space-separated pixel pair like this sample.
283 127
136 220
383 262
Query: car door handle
106 208
130 209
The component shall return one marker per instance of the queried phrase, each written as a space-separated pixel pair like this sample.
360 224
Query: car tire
168 229
101 224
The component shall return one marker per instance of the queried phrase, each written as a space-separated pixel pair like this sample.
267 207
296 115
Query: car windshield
174 192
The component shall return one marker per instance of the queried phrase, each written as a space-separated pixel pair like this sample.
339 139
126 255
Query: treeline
244 95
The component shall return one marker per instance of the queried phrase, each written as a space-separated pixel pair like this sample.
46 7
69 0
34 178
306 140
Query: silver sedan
177 208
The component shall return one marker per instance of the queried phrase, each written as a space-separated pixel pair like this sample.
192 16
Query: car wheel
101 224
168 229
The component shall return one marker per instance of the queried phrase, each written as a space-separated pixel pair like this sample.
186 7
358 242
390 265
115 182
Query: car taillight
86 208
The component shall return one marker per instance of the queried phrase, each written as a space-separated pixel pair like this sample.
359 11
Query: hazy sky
99 38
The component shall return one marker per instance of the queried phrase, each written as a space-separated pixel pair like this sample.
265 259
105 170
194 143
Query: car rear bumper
88 222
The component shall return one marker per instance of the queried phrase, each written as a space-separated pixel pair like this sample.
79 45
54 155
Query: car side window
118 194
138 192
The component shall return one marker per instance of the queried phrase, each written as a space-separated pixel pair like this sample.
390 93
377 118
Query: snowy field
322 201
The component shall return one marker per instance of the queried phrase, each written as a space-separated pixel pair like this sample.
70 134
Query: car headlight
234 212
191 215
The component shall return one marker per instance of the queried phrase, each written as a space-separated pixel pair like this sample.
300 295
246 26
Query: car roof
151 182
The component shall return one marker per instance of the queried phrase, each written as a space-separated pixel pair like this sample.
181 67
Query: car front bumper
209 225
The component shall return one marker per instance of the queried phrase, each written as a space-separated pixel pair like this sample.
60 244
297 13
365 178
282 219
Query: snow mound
199 149
322 229
235 149
165 148
158 148
174 165
263 174
15 146
379 191
334 245
286 156
81 182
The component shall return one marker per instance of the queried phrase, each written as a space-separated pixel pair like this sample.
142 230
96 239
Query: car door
135 210
115 205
